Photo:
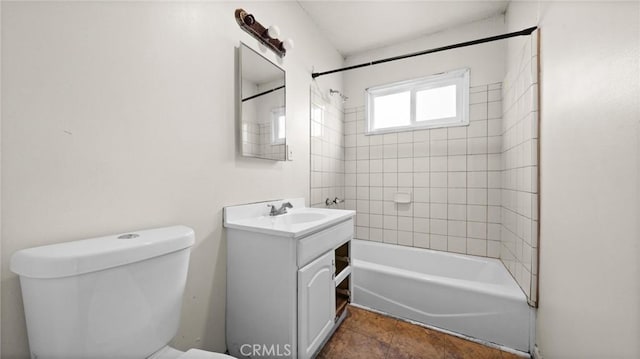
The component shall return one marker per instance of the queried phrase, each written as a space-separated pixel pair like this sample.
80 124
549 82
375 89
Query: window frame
459 78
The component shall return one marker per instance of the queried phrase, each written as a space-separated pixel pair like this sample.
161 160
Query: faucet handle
335 201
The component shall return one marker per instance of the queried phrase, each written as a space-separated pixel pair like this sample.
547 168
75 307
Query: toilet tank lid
90 255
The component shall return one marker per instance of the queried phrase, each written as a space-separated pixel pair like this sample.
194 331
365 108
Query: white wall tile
457 163
457 212
438 210
477 145
421 149
438 164
438 242
390 138
438 226
477 230
405 179
375 152
477 129
457 147
457 195
477 213
438 195
421 194
438 147
390 151
477 162
478 112
421 179
457 244
476 247
405 150
421 210
405 238
456 132
457 179
438 134
390 236
421 164
421 240
375 234
477 196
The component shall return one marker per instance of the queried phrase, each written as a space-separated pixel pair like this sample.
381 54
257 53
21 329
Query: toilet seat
201 354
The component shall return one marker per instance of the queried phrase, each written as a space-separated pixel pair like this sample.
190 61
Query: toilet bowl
117 296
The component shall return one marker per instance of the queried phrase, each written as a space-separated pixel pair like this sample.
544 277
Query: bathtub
472 296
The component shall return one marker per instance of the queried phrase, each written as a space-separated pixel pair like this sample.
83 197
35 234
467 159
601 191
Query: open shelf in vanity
342 256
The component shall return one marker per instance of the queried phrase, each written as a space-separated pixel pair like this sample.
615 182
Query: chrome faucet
282 210
335 201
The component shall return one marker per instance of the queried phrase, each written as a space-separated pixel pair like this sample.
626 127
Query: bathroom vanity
288 278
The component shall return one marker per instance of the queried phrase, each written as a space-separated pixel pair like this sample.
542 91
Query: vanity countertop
298 222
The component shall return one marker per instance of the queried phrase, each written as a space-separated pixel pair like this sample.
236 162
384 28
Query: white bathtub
473 296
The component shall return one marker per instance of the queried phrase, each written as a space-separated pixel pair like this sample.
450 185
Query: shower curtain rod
524 32
262 93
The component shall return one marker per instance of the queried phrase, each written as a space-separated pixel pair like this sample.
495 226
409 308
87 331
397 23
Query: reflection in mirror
262 112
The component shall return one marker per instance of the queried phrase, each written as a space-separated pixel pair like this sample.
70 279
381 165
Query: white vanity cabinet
287 280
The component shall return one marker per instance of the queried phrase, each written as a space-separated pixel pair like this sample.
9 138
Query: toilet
111 297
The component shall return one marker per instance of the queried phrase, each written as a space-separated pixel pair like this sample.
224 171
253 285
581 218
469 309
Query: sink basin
302 217
299 221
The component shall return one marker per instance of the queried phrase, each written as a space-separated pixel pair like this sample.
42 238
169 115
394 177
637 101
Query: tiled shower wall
519 233
327 149
453 176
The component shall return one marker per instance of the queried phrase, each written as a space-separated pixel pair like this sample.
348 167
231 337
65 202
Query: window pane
392 110
281 127
436 103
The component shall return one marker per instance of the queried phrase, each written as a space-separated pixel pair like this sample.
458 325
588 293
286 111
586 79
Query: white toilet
111 297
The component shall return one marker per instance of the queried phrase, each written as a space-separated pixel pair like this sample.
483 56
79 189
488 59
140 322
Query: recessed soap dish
402 197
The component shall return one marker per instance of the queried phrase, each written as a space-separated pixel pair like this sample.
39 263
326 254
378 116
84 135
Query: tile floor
368 335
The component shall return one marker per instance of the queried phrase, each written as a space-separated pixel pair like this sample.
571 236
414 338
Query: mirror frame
239 103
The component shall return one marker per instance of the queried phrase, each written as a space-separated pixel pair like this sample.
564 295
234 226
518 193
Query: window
435 101
278 126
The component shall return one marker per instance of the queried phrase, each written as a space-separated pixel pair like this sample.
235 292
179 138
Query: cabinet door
316 304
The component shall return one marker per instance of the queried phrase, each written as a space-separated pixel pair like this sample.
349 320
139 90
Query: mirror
262 106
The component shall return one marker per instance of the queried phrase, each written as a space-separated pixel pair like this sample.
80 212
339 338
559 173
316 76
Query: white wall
120 116
589 293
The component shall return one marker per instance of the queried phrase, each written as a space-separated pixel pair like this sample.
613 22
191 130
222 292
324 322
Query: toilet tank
111 297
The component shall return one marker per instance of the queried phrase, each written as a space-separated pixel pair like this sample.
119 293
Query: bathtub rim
511 289
497 290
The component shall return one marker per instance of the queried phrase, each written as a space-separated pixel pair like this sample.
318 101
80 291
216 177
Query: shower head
342 96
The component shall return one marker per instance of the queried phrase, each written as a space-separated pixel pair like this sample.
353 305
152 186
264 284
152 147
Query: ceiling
356 26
